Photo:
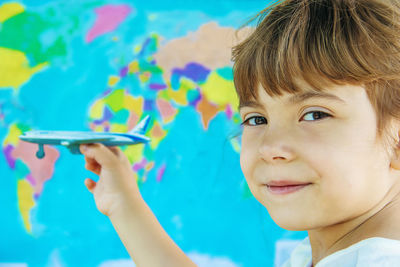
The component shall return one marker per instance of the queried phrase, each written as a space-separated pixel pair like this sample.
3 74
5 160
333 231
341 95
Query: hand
117 185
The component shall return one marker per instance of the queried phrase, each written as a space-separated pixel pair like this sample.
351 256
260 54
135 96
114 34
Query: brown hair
324 42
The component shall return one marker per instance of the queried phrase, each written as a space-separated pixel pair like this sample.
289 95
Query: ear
395 161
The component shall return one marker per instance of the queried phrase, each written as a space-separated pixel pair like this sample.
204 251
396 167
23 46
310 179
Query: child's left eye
315 115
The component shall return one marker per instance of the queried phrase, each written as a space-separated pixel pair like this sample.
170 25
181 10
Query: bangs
320 42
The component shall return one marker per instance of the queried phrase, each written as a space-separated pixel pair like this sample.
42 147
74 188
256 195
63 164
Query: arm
117 196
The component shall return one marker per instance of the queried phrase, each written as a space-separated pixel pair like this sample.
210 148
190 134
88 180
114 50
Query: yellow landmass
118 128
134 104
113 80
25 202
144 77
137 49
95 128
186 84
180 95
12 137
115 100
96 110
9 10
133 67
235 145
149 166
15 69
134 153
220 91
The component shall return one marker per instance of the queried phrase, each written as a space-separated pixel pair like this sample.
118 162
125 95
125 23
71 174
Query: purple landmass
148 104
7 152
157 86
194 71
123 72
107 115
107 91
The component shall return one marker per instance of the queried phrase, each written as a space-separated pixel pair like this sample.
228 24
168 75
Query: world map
102 66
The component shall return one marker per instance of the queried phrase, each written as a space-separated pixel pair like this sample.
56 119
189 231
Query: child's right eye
254 121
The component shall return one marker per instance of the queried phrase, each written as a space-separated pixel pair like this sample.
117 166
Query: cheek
245 161
347 177
247 155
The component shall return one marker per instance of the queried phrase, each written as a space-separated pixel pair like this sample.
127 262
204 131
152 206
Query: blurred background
99 65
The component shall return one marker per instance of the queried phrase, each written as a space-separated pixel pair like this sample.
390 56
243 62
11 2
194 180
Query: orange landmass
207 111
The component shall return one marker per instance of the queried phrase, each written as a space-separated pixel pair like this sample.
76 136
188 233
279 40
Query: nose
275 150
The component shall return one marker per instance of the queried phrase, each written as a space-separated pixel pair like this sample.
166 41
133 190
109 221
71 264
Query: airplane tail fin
140 128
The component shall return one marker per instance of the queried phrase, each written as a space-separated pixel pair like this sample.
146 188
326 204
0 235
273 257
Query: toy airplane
72 139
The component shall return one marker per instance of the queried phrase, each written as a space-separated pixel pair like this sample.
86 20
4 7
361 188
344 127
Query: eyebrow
249 103
297 98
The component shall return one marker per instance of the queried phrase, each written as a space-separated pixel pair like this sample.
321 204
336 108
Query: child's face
316 162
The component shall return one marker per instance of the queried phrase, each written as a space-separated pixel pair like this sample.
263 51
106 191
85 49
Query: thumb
90 184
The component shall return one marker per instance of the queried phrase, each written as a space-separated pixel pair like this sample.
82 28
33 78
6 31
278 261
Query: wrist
128 203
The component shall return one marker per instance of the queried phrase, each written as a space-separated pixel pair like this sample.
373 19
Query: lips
285 187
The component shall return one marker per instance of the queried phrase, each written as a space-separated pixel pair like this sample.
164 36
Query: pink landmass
140 165
108 19
132 120
229 112
166 109
160 173
41 169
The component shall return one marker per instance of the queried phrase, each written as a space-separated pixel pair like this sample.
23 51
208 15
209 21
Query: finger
119 153
90 184
116 150
92 165
98 152
90 160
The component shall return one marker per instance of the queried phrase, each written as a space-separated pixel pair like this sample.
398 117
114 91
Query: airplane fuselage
67 137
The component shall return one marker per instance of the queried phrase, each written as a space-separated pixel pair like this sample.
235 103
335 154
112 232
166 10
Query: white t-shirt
371 252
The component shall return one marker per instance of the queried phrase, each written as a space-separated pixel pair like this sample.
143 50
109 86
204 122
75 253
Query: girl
319 89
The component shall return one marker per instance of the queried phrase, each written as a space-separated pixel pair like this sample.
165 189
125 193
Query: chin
292 227
292 221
